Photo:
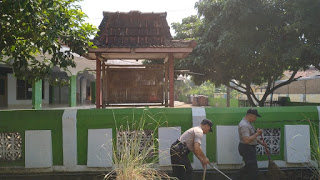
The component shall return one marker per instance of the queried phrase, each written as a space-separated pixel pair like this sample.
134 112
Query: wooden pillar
98 82
171 80
166 84
107 85
103 85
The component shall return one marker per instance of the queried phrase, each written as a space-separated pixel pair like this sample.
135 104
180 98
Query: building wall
60 94
303 86
83 89
12 93
310 98
78 136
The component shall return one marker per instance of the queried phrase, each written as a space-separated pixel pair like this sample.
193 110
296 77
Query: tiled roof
135 29
307 73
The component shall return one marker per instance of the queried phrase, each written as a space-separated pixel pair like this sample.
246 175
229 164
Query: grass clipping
133 156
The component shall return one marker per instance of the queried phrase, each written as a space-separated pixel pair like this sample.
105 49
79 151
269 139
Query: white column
83 89
198 114
69 137
46 92
167 136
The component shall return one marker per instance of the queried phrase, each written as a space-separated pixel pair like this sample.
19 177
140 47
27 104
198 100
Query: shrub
132 154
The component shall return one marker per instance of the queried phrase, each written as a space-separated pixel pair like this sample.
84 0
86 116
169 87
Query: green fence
22 120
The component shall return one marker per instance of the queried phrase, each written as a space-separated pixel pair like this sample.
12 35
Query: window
2 87
24 90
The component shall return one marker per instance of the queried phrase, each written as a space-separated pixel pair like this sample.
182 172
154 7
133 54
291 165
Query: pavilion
136 36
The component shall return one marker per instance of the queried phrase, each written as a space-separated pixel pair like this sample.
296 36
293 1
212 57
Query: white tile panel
297 143
99 148
227 145
38 149
167 136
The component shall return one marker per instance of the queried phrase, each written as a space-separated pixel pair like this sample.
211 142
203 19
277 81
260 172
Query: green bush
221 102
183 98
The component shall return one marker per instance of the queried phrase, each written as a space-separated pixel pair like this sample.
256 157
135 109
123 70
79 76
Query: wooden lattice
134 85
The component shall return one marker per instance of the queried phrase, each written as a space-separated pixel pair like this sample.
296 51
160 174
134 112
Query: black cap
253 111
207 122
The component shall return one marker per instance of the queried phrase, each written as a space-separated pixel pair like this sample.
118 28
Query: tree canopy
252 42
32 34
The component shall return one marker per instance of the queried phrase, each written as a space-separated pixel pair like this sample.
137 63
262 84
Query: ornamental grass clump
315 151
134 154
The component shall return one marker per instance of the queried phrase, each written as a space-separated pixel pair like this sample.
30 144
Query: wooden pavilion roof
136 35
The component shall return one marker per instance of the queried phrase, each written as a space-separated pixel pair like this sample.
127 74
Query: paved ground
177 104
291 173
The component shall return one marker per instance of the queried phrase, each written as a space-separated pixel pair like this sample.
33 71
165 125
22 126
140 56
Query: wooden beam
135 56
171 80
147 65
142 50
98 82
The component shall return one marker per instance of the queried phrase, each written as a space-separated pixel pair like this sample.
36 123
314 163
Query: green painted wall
21 120
112 118
272 117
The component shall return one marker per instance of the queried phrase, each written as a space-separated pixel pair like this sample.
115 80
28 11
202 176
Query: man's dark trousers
248 153
181 165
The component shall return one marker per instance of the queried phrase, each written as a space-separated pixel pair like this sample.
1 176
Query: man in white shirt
189 141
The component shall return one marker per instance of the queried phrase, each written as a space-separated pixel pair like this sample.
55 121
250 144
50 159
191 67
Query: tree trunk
261 103
228 96
251 100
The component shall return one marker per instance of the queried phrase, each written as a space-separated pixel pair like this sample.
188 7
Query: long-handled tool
274 171
220 172
204 173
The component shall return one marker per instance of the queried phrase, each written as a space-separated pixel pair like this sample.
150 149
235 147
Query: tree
188 29
303 17
246 42
32 34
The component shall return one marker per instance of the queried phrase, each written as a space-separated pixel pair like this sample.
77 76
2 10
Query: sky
176 9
